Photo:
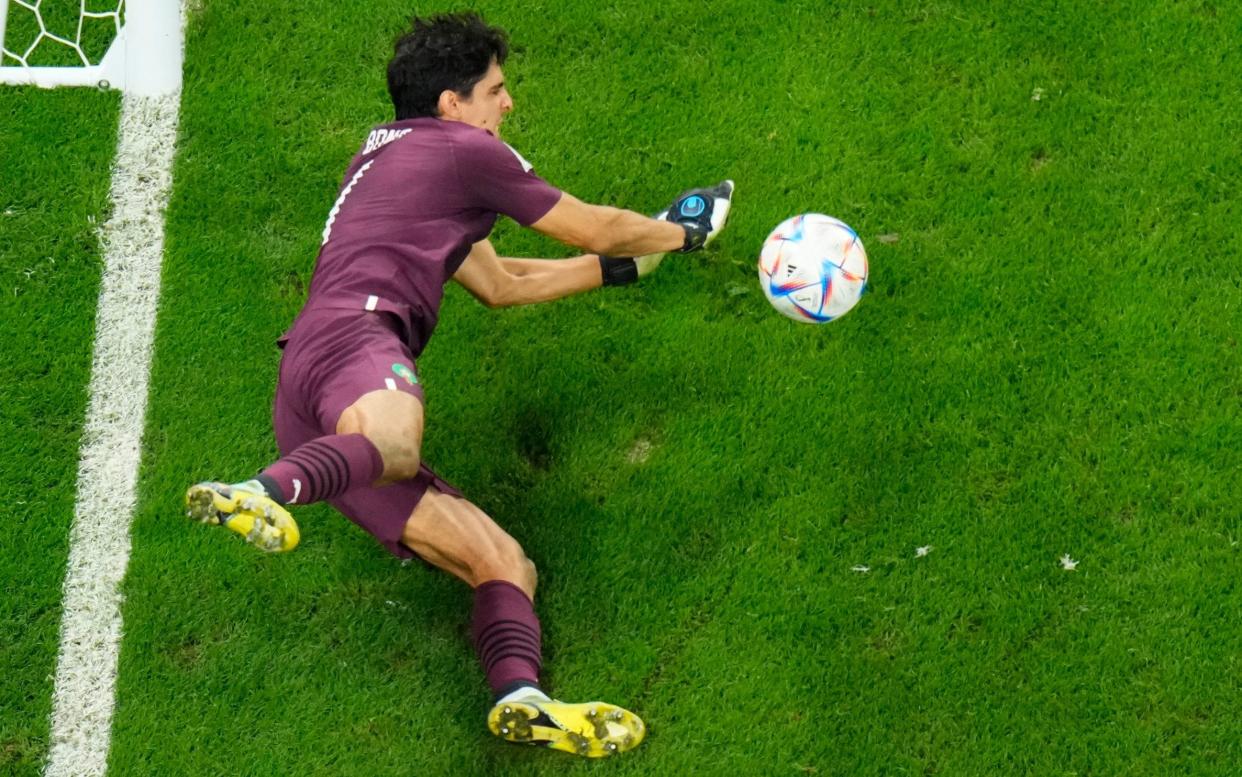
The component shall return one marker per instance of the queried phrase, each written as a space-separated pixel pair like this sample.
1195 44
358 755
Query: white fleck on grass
861 569
889 239
640 451
1068 563
1038 94
923 551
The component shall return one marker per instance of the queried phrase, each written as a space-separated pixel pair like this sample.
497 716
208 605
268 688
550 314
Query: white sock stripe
99 543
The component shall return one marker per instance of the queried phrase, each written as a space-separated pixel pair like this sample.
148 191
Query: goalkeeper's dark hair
449 51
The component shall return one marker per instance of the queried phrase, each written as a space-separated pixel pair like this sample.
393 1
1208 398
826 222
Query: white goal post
144 57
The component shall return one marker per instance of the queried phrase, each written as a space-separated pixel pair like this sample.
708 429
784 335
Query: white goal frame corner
145 57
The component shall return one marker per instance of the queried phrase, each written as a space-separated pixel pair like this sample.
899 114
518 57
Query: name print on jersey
382 137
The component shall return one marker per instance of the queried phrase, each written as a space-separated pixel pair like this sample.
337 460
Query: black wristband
618 271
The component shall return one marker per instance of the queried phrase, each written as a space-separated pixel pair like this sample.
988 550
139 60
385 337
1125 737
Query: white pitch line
133 247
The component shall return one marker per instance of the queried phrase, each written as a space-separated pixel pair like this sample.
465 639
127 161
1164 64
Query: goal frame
145 58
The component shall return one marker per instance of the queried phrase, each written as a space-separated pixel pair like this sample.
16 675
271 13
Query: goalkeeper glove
701 213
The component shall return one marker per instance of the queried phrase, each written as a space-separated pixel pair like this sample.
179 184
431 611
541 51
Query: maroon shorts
331 358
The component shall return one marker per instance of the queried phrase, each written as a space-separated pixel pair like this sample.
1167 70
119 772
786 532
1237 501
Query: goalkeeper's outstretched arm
690 223
601 229
693 219
502 282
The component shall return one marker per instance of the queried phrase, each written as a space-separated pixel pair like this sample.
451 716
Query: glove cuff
696 236
618 271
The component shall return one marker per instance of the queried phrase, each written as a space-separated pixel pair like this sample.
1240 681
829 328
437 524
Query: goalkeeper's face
485 107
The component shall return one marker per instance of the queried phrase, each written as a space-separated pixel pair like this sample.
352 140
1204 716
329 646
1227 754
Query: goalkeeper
414 211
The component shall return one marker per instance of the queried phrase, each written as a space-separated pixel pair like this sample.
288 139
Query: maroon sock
507 636
323 468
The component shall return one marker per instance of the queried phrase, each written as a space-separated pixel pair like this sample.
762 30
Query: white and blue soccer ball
813 268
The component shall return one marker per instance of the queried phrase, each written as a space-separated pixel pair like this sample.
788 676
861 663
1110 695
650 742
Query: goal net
133 45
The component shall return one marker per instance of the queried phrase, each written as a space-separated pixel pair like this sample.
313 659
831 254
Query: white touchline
99 544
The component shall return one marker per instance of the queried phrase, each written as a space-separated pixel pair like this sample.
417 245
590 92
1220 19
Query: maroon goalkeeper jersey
413 201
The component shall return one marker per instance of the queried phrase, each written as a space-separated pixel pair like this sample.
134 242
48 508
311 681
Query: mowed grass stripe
56 150
1035 373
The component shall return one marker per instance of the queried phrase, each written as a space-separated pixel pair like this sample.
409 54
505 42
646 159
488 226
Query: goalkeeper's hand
647 264
620 270
702 213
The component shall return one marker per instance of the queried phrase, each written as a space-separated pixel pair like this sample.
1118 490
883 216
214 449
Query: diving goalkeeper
414 211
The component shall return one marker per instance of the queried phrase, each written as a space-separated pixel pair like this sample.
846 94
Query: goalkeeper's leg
348 414
320 469
453 534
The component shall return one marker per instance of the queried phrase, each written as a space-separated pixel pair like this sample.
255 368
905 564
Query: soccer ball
813 268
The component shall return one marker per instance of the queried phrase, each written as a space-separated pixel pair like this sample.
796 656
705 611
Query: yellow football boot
591 730
251 513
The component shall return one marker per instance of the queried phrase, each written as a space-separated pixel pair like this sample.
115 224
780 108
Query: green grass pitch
55 152
1046 364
